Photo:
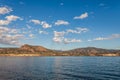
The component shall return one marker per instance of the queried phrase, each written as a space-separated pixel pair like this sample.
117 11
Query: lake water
59 68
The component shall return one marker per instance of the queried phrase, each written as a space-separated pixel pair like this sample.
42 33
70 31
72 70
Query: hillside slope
42 51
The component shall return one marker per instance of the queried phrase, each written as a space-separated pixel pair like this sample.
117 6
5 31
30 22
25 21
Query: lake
59 68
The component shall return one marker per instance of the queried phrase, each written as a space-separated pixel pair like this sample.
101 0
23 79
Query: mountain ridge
42 51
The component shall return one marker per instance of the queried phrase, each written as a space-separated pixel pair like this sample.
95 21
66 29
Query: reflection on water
59 68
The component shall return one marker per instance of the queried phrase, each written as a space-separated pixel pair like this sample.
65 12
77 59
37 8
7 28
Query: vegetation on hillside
41 51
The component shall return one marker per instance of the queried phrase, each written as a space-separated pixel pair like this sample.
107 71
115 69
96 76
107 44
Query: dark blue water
59 68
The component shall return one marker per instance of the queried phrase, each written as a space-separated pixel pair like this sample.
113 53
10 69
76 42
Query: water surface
59 68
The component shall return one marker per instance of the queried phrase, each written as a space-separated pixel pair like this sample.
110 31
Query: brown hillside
33 48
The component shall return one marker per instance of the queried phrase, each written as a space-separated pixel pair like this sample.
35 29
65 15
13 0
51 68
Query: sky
60 24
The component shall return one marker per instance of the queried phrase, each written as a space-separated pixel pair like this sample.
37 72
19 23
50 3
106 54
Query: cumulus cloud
35 21
82 16
3 30
10 39
57 39
9 19
4 22
8 30
10 36
77 31
61 22
44 24
13 18
5 10
58 36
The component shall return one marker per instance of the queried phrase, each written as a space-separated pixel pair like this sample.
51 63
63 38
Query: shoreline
29 55
38 55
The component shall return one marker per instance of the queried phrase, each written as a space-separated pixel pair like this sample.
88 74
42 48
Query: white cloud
13 31
77 31
82 16
10 36
4 30
57 39
4 22
113 36
5 10
100 38
9 19
35 21
67 41
13 18
10 39
61 22
58 36
44 24
8 30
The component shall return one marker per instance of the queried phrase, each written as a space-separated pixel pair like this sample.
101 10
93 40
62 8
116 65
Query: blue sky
60 24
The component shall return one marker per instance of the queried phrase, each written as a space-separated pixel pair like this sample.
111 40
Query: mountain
29 50
33 48
92 51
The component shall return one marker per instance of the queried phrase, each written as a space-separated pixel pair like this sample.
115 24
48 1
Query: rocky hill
33 48
27 49
92 51
42 51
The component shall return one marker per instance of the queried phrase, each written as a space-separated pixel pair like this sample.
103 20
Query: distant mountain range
29 50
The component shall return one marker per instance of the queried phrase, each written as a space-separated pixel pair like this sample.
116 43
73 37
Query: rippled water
59 68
